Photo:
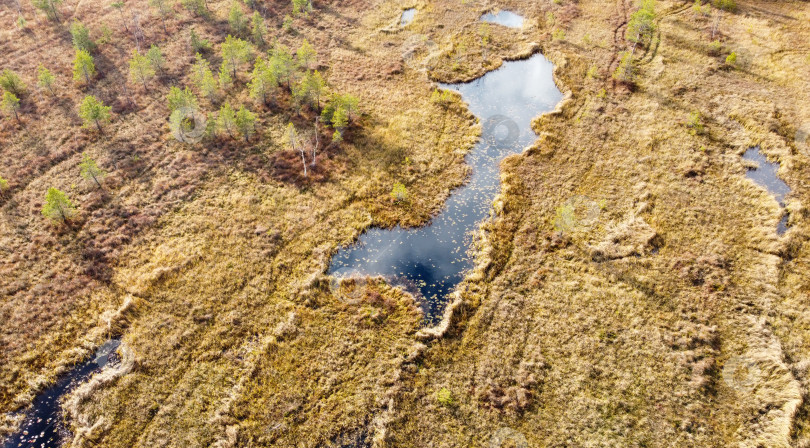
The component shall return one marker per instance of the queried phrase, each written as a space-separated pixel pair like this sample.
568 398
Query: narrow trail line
652 51
618 37
619 40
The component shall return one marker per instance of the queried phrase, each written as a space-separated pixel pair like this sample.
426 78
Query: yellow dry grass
58 283
616 333
593 338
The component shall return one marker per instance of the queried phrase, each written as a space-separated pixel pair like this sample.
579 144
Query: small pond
407 16
505 18
435 258
43 427
765 175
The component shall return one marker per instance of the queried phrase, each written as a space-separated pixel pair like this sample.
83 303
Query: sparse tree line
57 206
91 109
274 72
640 30
165 8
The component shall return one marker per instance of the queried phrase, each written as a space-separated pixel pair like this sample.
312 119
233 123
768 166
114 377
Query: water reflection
43 426
435 257
765 175
407 16
505 18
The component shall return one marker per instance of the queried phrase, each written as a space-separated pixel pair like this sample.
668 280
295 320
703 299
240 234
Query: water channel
43 426
435 258
765 175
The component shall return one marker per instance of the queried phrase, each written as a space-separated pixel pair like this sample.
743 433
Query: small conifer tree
83 66
155 57
140 69
89 170
226 120
11 104
12 82
258 29
245 122
45 79
81 37
57 206
94 112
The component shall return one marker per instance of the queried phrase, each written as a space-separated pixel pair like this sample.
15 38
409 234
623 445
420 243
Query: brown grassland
676 317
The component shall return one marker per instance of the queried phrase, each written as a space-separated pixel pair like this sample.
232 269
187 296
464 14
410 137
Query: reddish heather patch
287 167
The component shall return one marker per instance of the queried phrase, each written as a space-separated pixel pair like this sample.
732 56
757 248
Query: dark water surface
505 18
435 258
43 426
765 175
